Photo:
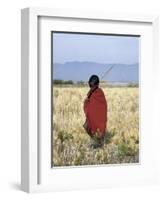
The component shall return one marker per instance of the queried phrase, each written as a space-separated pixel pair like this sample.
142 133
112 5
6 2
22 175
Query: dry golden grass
71 144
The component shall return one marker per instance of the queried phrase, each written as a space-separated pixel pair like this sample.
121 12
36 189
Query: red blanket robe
95 108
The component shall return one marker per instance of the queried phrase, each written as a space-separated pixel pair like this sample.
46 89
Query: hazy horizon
86 61
81 71
69 47
77 56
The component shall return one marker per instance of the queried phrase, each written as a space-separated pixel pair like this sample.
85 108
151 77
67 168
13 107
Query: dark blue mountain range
81 71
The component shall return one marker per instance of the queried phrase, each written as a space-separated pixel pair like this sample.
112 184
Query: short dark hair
93 81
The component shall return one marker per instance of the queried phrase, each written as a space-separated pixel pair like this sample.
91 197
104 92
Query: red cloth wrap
95 109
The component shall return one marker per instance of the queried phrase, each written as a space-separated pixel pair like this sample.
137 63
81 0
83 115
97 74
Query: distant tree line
60 82
82 83
133 85
67 82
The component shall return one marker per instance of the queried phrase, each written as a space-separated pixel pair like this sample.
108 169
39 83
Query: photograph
95 93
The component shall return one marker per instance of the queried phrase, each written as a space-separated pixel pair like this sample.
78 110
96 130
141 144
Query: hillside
77 71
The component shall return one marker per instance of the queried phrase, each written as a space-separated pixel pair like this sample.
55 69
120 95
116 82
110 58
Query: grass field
71 144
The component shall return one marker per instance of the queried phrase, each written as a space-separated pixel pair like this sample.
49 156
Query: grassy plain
71 144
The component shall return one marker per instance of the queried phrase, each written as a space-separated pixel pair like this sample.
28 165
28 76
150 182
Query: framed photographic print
89 89
109 66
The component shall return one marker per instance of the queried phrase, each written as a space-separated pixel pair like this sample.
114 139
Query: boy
95 109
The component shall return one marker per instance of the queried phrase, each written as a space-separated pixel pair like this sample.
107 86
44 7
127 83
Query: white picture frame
36 171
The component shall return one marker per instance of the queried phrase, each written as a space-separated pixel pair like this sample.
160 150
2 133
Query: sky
68 47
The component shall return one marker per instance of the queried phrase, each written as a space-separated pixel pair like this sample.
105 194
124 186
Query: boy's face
92 85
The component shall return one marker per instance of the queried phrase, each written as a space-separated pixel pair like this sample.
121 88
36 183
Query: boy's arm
86 102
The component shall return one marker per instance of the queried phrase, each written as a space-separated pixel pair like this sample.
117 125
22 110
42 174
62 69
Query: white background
111 175
10 97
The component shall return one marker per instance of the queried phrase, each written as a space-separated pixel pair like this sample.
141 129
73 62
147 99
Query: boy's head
93 81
